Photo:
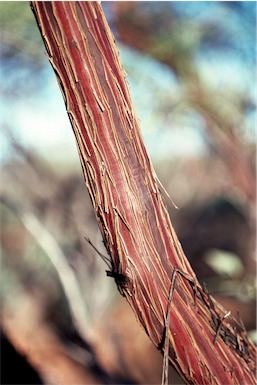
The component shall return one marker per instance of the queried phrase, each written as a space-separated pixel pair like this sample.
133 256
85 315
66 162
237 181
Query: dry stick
165 365
131 214
220 324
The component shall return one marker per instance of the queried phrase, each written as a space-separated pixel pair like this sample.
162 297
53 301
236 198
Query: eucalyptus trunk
206 345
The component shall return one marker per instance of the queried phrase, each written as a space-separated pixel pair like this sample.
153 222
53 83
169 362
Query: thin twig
165 365
220 324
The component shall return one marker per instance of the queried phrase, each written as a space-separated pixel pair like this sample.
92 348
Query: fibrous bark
204 345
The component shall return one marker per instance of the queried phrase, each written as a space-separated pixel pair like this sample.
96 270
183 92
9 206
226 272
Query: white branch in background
78 307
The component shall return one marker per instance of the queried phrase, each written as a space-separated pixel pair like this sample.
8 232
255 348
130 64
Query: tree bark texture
205 345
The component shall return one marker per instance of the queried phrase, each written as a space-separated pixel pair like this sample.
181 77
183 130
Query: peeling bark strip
129 208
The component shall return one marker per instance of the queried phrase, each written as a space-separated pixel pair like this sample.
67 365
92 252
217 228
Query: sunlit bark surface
204 345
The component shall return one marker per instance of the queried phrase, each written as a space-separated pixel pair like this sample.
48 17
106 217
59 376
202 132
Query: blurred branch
55 200
38 344
79 311
174 41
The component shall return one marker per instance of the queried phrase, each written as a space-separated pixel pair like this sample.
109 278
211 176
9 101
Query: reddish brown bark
204 347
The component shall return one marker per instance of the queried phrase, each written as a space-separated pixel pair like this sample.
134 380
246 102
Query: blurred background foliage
191 70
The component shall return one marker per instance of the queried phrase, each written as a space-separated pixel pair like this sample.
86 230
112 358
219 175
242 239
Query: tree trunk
205 347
